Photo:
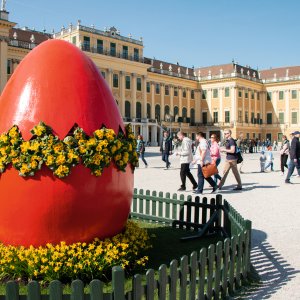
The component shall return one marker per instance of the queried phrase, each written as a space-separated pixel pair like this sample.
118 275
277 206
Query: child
269 162
262 161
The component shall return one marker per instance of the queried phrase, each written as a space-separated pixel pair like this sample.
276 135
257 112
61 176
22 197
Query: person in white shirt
186 157
202 157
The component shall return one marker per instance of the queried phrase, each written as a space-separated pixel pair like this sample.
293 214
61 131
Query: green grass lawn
166 246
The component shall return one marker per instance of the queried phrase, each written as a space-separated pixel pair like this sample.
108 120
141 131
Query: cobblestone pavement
271 205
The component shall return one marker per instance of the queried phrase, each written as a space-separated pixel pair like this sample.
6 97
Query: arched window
148 110
176 111
157 112
138 110
192 115
167 110
127 109
184 112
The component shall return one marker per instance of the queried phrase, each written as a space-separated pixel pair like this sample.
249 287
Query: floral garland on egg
95 152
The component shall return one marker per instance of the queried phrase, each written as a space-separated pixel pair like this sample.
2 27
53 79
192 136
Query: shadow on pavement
246 187
152 154
274 271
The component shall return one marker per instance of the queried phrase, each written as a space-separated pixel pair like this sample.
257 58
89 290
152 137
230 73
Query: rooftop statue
3 3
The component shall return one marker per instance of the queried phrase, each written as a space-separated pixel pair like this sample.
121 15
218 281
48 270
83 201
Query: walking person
186 157
203 157
166 148
215 154
284 153
140 149
269 159
238 148
231 161
294 156
262 160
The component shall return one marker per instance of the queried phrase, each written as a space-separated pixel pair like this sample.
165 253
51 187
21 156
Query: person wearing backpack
140 149
231 161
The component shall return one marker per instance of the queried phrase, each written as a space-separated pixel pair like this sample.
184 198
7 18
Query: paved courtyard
271 205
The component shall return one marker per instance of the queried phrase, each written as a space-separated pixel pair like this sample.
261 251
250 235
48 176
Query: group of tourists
207 154
287 150
255 145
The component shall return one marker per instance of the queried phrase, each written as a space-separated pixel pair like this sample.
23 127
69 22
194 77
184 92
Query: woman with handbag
205 168
215 154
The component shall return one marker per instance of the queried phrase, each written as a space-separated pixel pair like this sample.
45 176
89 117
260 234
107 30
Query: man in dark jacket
294 156
166 148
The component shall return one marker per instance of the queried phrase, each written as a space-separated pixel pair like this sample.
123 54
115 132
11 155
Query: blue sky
259 33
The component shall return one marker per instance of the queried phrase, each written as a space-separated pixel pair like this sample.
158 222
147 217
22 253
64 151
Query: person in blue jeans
294 156
166 149
202 157
140 149
269 159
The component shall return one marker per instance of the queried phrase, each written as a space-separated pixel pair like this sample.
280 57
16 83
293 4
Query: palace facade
155 95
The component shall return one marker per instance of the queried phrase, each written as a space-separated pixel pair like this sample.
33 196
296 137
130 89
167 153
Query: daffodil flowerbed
80 260
95 152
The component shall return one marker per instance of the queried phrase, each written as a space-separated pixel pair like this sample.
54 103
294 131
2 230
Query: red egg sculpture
58 84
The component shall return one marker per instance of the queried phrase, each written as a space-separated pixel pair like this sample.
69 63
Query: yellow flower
13 132
50 160
62 171
39 130
34 146
25 146
82 149
13 153
24 169
60 159
97 173
119 144
91 142
4 138
58 147
118 157
113 149
99 133
34 164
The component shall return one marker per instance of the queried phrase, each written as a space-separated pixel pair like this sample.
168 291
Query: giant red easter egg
58 84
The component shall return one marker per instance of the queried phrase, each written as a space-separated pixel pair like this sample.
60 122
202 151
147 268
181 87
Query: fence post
219 207
202 274
34 292
118 279
96 289
77 292
150 283
12 291
162 282
137 288
184 268
55 290
248 225
173 278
